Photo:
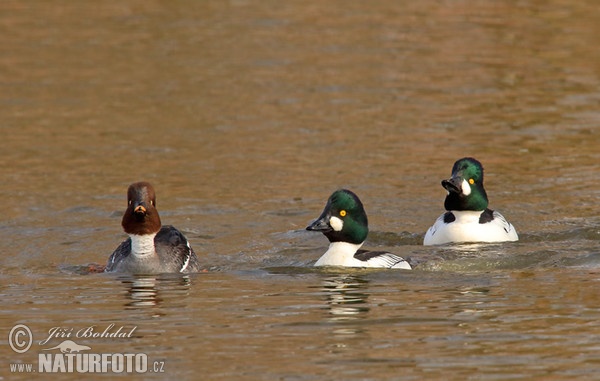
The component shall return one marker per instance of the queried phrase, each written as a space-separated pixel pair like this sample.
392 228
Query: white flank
336 224
466 228
142 245
466 188
388 260
187 259
340 254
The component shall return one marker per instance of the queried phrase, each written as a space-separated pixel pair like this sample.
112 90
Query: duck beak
454 184
321 224
140 209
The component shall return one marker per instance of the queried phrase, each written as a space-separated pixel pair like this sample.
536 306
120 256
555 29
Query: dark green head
465 187
343 219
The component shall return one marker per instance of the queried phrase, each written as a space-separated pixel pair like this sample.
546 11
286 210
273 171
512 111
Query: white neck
339 254
142 245
467 216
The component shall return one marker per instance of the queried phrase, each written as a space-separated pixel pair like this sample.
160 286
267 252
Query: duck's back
175 251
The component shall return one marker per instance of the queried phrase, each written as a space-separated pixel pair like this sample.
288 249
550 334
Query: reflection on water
346 303
345 297
145 290
142 292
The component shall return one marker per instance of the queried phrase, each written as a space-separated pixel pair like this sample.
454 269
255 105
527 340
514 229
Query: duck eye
471 181
343 213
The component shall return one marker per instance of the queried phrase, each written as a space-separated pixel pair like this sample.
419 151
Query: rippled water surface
246 116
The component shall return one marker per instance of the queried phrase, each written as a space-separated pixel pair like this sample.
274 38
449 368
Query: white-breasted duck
151 248
467 217
344 222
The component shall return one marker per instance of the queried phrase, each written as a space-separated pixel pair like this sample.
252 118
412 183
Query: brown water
246 116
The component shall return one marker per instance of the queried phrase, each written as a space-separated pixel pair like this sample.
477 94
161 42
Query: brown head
141 216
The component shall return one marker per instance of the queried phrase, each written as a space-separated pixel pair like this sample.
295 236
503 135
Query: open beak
454 184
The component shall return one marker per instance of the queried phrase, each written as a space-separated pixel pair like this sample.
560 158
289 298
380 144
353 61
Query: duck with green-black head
344 222
467 217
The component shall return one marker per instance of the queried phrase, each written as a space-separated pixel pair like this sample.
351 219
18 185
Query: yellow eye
343 213
471 181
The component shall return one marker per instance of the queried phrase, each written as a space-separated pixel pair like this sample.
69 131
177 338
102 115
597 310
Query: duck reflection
142 291
345 297
346 306
145 290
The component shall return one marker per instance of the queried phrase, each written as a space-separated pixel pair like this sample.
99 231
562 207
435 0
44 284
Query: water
246 116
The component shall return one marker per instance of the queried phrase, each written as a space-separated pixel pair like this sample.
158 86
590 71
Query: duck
467 217
344 222
150 248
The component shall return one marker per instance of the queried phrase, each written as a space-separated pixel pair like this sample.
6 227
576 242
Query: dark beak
321 224
454 184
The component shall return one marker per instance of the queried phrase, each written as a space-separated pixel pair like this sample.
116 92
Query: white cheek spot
336 224
466 188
